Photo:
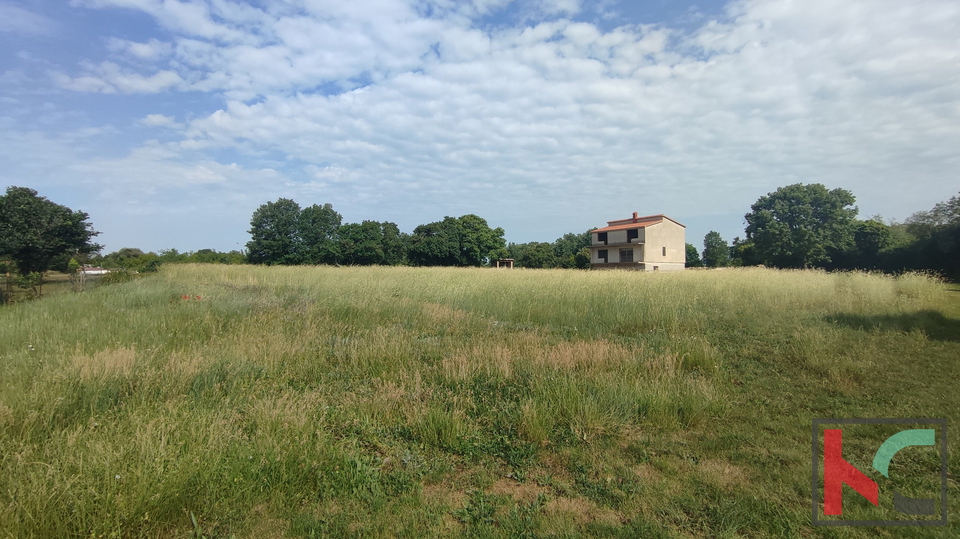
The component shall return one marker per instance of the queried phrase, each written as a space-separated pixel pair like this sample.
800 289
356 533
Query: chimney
634 217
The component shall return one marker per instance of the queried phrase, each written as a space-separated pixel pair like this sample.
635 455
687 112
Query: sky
170 121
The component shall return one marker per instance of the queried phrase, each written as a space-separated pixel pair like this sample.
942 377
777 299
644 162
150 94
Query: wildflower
198 297
117 476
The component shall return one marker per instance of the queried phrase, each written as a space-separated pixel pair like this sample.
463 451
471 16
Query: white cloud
187 17
379 106
849 96
159 120
17 20
151 50
110 78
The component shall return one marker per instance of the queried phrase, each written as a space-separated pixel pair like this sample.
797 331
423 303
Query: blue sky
171 121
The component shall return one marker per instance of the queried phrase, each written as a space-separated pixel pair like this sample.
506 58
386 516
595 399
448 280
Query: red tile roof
635 222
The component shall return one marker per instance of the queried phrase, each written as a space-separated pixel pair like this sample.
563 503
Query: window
656 268
633 234
664 251
626 255
602 254
602 236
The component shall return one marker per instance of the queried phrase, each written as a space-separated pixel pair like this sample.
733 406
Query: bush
117 277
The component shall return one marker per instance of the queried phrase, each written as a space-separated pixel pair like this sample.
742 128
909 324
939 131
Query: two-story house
655 242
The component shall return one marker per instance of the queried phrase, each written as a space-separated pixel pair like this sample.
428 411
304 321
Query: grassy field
225 401
54 283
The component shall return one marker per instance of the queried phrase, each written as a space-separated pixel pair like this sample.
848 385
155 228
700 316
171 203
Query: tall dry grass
333 400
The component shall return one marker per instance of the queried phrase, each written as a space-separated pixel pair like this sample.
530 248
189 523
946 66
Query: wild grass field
54 282
242 401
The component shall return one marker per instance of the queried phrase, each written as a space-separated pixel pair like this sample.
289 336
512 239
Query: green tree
870 238
318 226
394 244
516 250
743 253
537 255
34 232
463 241
567 247
128 258
924 224
582 259
478 240
206 256
499 253
361 243
436 244
275 233
936 243
716 252
799 226
172 255
693 257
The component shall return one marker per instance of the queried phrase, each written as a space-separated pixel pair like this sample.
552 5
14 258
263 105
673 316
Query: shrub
117 277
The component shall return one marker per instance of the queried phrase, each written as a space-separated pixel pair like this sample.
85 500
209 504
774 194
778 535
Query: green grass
413 402
54 283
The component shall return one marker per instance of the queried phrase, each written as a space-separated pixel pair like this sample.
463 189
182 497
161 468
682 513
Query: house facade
651 243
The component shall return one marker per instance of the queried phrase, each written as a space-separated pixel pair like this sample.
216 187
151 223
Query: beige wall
653 240
670 235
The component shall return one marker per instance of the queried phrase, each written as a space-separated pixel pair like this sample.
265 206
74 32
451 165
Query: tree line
133 259
568 251
283 234
809 226
797 226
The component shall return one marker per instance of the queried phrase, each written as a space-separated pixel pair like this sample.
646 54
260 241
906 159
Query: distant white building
654 242
94 270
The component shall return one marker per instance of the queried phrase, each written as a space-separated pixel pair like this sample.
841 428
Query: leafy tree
516 251
870 238
133 259
275 232
499 253
582 259
34 231
464 241
318 227
799 226
716 252
172 255
361 243
129 258
693 257
478 240
206 256
937 239
567 247
436 244
538 255
394 244
924 224
78 278
743 253
370 242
